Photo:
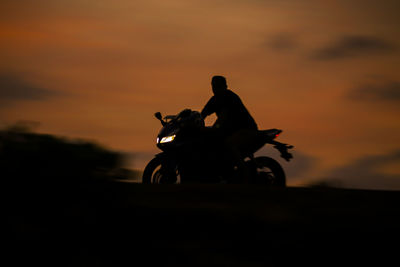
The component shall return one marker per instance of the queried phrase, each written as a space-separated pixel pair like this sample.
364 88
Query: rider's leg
239 145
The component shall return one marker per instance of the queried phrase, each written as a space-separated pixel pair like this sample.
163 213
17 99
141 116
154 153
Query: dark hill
107 223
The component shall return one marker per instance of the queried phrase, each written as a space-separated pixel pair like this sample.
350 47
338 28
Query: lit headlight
167 139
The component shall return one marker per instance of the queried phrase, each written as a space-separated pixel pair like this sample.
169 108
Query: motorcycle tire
269 172
152 173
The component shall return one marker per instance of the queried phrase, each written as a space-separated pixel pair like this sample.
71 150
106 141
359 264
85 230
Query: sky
325 72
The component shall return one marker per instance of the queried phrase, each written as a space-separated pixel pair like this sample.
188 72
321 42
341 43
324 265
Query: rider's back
232 115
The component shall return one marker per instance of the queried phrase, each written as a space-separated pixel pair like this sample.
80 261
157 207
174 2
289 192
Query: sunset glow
326 72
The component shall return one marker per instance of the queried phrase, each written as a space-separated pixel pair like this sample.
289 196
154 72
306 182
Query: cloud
366 173
300 166
350 46
14 88
282 42
387 91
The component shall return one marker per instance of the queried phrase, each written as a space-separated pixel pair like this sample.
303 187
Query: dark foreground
122 224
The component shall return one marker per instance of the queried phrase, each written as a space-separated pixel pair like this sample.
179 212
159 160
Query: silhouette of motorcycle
191 153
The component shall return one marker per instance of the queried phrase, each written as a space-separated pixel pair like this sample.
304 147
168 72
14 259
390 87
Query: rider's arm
209 108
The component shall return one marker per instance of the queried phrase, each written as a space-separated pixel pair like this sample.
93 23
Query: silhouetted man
234 123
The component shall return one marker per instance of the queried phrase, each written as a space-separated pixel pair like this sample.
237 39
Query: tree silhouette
32 158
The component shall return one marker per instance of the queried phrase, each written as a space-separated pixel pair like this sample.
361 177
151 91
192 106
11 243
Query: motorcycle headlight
167 139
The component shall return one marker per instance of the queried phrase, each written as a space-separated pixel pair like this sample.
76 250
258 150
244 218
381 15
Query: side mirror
158 115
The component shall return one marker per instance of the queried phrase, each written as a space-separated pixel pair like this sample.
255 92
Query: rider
234 123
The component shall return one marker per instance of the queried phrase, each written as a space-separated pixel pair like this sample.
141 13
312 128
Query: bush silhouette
25 155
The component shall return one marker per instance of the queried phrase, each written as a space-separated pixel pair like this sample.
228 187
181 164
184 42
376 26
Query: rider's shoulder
232 95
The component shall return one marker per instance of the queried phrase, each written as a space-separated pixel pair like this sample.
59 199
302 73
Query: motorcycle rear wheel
152 174
269 172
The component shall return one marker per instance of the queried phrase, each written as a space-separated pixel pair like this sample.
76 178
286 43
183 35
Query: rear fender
263 137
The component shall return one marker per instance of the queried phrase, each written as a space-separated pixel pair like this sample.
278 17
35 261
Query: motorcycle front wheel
270 172
154 174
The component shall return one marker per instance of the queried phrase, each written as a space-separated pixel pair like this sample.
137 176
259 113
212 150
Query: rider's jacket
232 115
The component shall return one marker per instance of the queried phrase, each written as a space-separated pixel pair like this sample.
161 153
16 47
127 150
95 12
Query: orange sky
326 72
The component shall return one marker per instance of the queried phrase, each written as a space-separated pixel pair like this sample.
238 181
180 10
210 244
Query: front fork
169 169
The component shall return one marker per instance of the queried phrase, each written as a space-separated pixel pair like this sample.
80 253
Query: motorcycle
191 154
